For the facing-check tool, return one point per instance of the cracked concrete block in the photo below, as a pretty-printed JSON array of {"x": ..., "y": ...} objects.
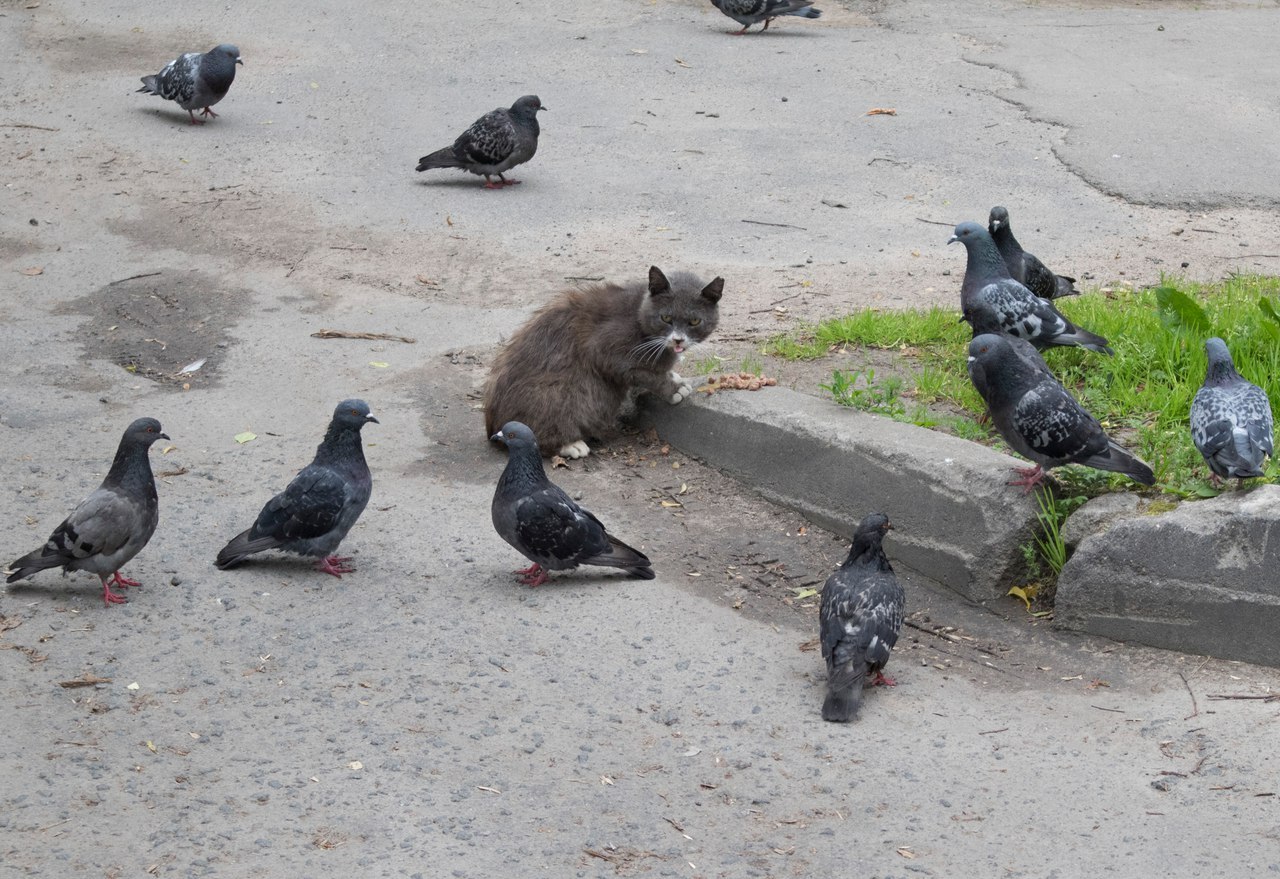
[
  {"x": 1203, "y": 578},
  {"x": 1098, "y": 514},
  {"x": 955, "y": 519}
]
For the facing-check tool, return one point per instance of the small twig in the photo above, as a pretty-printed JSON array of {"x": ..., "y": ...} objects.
[
  {"x": 934, "y": 222},
  {"x": 581, "y": 278},
  {"x": 1195, "y": 708},
  {"x": 37, "y": 128},
  {"x": 68, "y": 821},
  {"x": 943, "y": 635},
  {"x": 1210, "y": 231},
  {"x": 343, "y": 247},
  {"x": 135, "y": 277},
  {"x": 351, "y": 334},
  {"x": 1253, "y": 255},
  {"x": 779, "y": 225},
  {"x": 1113, "y": 710},
  {"x": 991, "y": 732},
  {"x": 1273, "y": 697}
]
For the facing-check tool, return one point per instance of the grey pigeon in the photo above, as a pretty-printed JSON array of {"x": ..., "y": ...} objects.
[
  {"x": 988, "y": 285},
  {"x": 496, "y": 142},
  {"x": 314, "y": 514},
  {"x": 1231, "y": 421},
  {"x": 984, "y": 320},
  {"x": 1038, "y": 417},
  {"x": 534, "y": 515},
  {"x": 749, "y": 12},
  {"x": 1024, "y": 267},
  {"x": 859, "y": 620},
  {"x": 112, "y": 525},
  {"x": 196, "y": 80}
]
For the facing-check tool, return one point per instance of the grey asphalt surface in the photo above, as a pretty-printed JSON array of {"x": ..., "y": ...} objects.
[{"x": 426, "y": 716}]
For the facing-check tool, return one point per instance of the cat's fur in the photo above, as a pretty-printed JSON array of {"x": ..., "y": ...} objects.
[{"x": 569, "y": 370}]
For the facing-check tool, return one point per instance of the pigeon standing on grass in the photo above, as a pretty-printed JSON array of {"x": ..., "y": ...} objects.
[
  {"x": 196, "y": 81},
  {"x": 749, "y": 12},
  {"x": 1023, "y": 266},
  {"x": 988, "y": 285},
  {"x": 496, "y": 142},
  {"x": 1038, "y": 417},
  {"x": 859, "y": 621},
  {"x": 314, "y": 514},
  {"x": 534, "y": 515},
  {"x": 1231, "y": 422},
  {"x": 112, "y": 525}
]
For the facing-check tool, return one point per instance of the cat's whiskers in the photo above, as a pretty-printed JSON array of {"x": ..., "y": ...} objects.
[{"x": 650, "y": 349}]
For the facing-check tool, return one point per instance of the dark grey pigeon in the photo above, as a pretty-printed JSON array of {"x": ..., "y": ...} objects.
[
  {"x": 1038, "y": 417},
  {"x": 1023, "y": 266},
  {"x": 531, "y": 513},
  {"x": 749, "y": 12},
  {"x": 859, "y": 621},
  {"x": 1231, "y": 421},
  {"x": 112, "y": 525},
  {"x": 496, "y": 142},
  {"x": 987, "y": 284},
  {"x": 314, "y": 514},
  {"x": 984, "y": 320},
  {"x": 196, "y": 81}
]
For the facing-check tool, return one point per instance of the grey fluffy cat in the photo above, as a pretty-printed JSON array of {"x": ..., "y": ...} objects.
[{"x": 568, "y": 372}]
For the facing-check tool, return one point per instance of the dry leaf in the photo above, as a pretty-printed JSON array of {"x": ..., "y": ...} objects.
[
  {"x": 682, "y": 64},
  {"x": 355, "y": 765},
  {"x": 151, "y": 747},
  {"x": 906, "y": 852},
  {"x": 882, "y": 111},
  {"x": 672, "y": 504},
  {"x": 85, "y": 680},
  {"x": 33, "y": 271},
  {"x": 245, "y": 437},
  {"x": 380, "y": 364}
]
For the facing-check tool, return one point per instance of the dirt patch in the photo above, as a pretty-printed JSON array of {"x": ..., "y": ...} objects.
[{"x": 157, "y": 325}]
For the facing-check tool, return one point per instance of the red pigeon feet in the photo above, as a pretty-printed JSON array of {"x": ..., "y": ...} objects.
[
  {"x": 883, "y": 680},
  {"x": 335, "y": 566},
  {"x": 108, "y": 597},
  {"x": 534, "y": 575},
  {"x": 123, "y": 581},
  {"x": 208, "y": 111},
  {"x": 1031, "y": 477}
]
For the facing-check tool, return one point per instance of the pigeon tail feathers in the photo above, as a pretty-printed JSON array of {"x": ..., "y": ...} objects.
[
  {"x": 1120, "y": 460},
  {"x": 619, "y": 555},
  {"x": 242, "y": 546},
  {"x": 844, "y": 691},
  {"x": 443, "y": 158}
]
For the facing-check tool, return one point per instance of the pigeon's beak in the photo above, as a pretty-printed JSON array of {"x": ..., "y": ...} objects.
[
  {"x": 369, "y": 418},
  {"x": 164, "y": 436},
  {"x": 995, "y": 224},
  {"x": 953, "y": 239},
  {"x": 962, "y": 318},
  {"x": 238, "y": 61},
  {"x": 972, "y": 358},
  {"x": 498, "y": 438}
]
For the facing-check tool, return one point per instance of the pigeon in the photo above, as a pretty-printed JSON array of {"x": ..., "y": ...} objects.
[
  {"x": 1023, "y": 266},
  {"x": 496, "y": 142},
  {"x": 987, "y": 284},
  {"x": 196, "y": 80},
  {"x": 112, "y": 525},
  {"x": 860, "y": 618},
  {"x": 1038, "y": 417},
  {"x": 314, "y": 514},
  {"x": 1231, "y": 421},
  {"x": 749, "y": 12},
  {"x": 534, "y": 515},
  {"x": 984, "y": 320}
]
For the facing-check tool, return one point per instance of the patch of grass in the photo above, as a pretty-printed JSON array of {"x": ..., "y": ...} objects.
[
  {"x": 1142, "y": 395},
  {"x": 707, "y": 365},
  {"x": 860, "y": 390}
]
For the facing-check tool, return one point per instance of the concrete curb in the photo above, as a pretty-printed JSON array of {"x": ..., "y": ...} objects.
[
  {"x": 1203, "y": 578},
  {"x": 955, "y": 519}
]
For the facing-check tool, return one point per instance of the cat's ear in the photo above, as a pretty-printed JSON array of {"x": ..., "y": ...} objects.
[
  {"x": 713, "y": 290},
  {"x": 657, "y": 282}
]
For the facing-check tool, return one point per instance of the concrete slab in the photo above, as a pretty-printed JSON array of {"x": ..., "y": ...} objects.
[
  {"x": 955, "y": 519},
  {"x": 1204, "y": 578}
]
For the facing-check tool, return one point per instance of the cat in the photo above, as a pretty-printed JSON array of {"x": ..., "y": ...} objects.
[{"x": 570, "y": 369}]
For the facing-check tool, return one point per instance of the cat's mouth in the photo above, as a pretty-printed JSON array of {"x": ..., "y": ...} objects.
[{"x": 678, "y": 347}]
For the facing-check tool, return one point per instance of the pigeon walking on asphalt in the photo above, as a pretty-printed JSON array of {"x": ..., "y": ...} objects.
[
  {"x": 534, "y": 515},
  {"x": 314, "y": 514},
  {"x": 749, "y": 12},
  {"x": 859, "y": 620},
  {"x": 112, "y": 525},
  {"x": 1038, "y": 417},
  {"x": 496, "y": 142},
  {"x": 196, "y": 81},
  {"x": 1024, "y": 267},
  {"x": 1231, "y": 422},
  {"x": 987, "y": 285}
]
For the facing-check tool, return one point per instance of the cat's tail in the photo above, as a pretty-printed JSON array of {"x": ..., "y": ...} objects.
[
  {"x": 619, "y": 555},
  {"x": 444, "y": 158}
]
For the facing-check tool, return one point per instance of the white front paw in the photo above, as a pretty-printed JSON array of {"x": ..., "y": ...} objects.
[
  {"x": 683, "y": 388},
  {"x": 574, "y": 450}
]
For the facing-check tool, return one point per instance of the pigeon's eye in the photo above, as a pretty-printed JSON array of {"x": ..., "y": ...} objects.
[
  {"x": 666, "y": 318},
  {"x": 151, "y": 430},
  {"x": 354, "y": 412},
  {"x": 694, "y": 321}
]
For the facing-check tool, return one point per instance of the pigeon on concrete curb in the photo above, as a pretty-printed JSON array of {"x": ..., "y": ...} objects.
[
  {"x": 496, "y": 142},
  {"x": 1023, "y": 266},
  {"x": 314, "y": 514},
  {"x": 1231, "y": 422},
  {"x": 196, "y": 80},
  {"x": 112, "y": 525},
  {"x": 749, "y": 12},
  {"x": 987, "y": 284},
  {"x": 1038, "y": 417},
  {"x": 536, "y": 517},
  {"x": 859, "y": 620}
]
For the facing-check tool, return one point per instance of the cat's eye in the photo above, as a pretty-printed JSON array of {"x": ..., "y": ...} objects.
[
  {"x": 694, "y": 321},
  {"x": 666, "y": 318}
]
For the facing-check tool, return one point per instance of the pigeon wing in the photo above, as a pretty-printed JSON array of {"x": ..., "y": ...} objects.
[
  {"x": 1055, "y": 426},
  {"x": 310, "y": 507},
  {"x": 861, "y": 620},
  {"x": 551, "y": 526},
  {"x": 489, "y": 140},
  {"x": 177, "y": 81},
  {"x": 100, "y": 525}
]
